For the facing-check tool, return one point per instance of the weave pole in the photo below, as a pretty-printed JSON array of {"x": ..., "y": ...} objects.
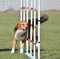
[
  {"x": 38, "y": 29},
  {"x": 20, "y": 10},
  {"x": 27, "y": 22},
  {"x": 29, "y": 54},
  {"x": 31, "y": 7},
  {"x": 25, "y": 9},
  {"x": 34, "y": 29},
  {"x": 21, "y": 16}
]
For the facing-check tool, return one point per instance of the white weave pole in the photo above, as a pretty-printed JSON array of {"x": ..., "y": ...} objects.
[
  {"x": 21, "y": 16},
  {"x": 31, "y": 27},
  {"x": 23, "y": 10},
  {"x": 34, "y": 28},
  {"x": 27, "y": 22},
  {"x": 39, "y": 29}
]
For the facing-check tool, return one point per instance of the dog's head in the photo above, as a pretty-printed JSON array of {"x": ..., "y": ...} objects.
[{"x": 21, "y": 25}]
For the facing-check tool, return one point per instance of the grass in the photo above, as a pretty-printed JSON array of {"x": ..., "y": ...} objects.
[
  {"x": 7, "y": 22},
  {"x": 50, "y": 36}
]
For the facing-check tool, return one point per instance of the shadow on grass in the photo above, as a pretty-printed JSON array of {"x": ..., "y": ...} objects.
[
  {"x": 6, "y": 49},
  {"x": 41, "y": 49}
]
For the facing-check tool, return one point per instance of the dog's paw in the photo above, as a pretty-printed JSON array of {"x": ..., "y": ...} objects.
[
  {"x": 12, "y": 51},
  {"x": 21, "y": 50}
]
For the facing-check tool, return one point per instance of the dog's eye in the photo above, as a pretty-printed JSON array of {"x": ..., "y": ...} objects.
[
  {"x": 22, "y": 24},
  {"x": 19, "y": 25}
]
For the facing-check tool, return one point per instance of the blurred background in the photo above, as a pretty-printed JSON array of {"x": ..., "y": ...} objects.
[{"x": 15, "y": 5}]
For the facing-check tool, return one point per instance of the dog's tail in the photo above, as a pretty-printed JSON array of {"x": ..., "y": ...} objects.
[{"x": 43, "y": 18}]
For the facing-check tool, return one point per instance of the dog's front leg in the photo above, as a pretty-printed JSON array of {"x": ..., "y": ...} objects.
[
  {"x": 22, "y": 46},
  {"x": 13, "y": 45}
]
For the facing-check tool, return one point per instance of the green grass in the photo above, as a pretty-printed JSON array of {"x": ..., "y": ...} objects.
[
  {"x": 50, "y": 36},
  {"x": 8, "y": 21}
]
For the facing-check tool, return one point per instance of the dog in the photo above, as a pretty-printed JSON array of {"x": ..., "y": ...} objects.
[
  {"x": 19, "y": 34},
  {"x": 20, "y": 31}
]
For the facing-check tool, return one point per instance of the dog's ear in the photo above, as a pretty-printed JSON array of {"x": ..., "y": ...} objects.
[
  {"x": 18, "y": 24},
  {"x": 16, "y": 27}
]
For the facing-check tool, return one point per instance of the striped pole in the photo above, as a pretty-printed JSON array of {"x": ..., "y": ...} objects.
[
  {"x": 27, "y": 22},
  {"x": 21, "y": 16},
  {"x": 24, "y": 10},
  {"x": 21, "y": 10},
  {"x": 34, "y": 28},
  {"x": 39, "y": 29},
  {"x": 31, "y": 26}
]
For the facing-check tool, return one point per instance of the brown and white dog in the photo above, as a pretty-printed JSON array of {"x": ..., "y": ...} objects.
[
  {"x": 20, "y": 31},
  {"x": 19, "y": 34}
]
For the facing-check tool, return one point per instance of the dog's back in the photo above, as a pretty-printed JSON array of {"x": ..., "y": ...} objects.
[{"x": 42, "y": 20}]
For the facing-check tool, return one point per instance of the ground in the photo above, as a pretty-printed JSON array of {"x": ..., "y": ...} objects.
[
  {"x": 7, "y": 23},
  {"x": 50, "y": 36}
]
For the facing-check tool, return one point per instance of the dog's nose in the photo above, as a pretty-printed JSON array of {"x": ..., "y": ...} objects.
[{"x": 26, "y": 27}]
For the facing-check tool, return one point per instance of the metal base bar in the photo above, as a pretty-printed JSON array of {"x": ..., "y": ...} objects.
[{"x": 29, "y": 55}]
